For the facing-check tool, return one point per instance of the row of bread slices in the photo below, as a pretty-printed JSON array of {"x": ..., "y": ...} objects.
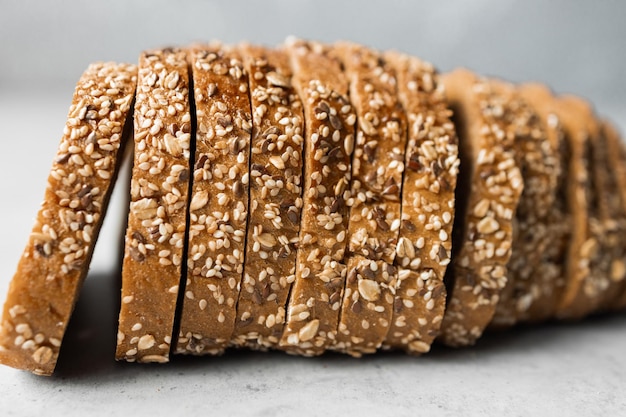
[{"x": 322, "y": 197}]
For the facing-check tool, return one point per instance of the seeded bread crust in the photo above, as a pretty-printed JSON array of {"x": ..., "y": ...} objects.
[
  {"x": 218, "y": 210},
  {"x": 600, "y": 221},
  {"x": 610, "y": 213},
  {"x": 541, "y": 297},
  {"x": 377, "y": 167},
  {"x": 155, "y": 235},
  {"x": 425, "y": 244},
  {"x": 275, "y": 199},
  {"x": 616, "y": 151},
  {"x": 583, "y": 279},
  {"x": 56, "y": 259},
  {"x": 538, "y": 160},
  {"x": 378, "y": 160},
  {"x": 479, "y": 269},
  {"x": 313, "y": 307}
]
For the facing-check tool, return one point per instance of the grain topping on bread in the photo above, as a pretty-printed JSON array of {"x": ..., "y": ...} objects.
[
  {"x": 488, "y": 196},
  {"x": 536, "y": 298},
  {"x": 218, "y": 211},
  {"x": 580, "y": 285},
  {"x": 377, "y": 167},
  {"x": 275, "y": 199},
  {"x": 428, "y": 206},
  {"x": 155, "y": 236},
  {"x": 56, "y": 259},
  {"x": 315, "y": 300},
  {"x": 538, "y": 161}
]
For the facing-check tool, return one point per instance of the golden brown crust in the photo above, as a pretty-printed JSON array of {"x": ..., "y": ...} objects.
[
  {"x": 313, "y": 307},
  {"x": 155, "y": 236},
  {"x": 424, "y": 245},
  {"x": 485, "y": 222},
  {"x": 538, "y": 161},
  {"x": 56, "y": 259},
  {"x": 218, "y": 210},
  {"x": 275, "y": 199},
  {"x": 377, "y": 167}
]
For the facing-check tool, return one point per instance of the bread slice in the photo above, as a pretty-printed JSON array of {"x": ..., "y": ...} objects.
[
  {"x": 583, "y": 282},
  {"x": 155, "y": 236},
  {"x": 275, "y": 199},
  {"x": 428, "y": 206},
  {"x": 377, "y": 167},
  {"x": 378, "y": 160},
  {"x": 537, "y": 301},
  {"x": 611, "y": 218},
  {"x": 218, "y": 211},
  {"x": 488, "y": 194},
  {"x": 616, "y": 150},
  {"x": 56, "y": 259},
  {"x": 315, "y": 299},
  {"x": 538, "y": 160}
]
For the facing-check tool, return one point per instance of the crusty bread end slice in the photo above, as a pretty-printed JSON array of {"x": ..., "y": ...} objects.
[{"x": 50, "y": 273}]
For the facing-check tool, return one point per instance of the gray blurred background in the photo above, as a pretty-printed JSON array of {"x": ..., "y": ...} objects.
[{"x": 575, "y": 46}]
